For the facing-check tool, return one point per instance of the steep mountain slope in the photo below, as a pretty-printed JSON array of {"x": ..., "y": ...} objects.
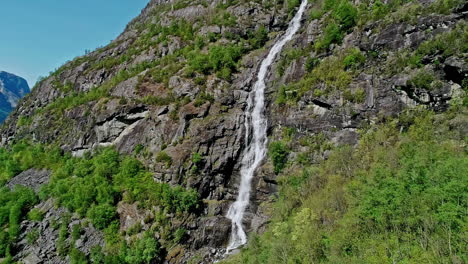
[
  {"x": 12, "y": 89},
  {"x": 171, "y": 92}
]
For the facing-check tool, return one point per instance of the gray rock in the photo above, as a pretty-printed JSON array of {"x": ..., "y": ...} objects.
[{"x": 31, "y": 178}]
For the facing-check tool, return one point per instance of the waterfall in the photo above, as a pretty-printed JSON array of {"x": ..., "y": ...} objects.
[{"x": 255, "y": 122}]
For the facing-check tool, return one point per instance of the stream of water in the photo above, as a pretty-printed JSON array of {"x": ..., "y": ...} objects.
[{"x": 256, "y": 135}]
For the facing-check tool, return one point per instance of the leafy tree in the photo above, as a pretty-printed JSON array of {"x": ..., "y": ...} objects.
[
  {"x": 102, "y": 215},
  {"x": 278, "y": 153},
  {"x": 145, "y": 250}
]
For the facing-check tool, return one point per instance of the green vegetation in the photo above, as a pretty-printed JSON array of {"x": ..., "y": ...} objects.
[
  {"x": 14, "y": 205},
  {"x": 22, "y": 156},
  {"x": 35, "y": 215},
  {"x": 197, "y": 161},
  {"x": 221, "y": 60},
  {"x": 145, "y": 250},
  {"x": 91, "y": 187},
  {"x": 278, "y": 153},
  {"x": 32, "y": 236},
  {"x": 433, "y": 50},
  {"x": 422, "y": 79},
  {"x": 343, "y": 18},
  {"x": 164, "y": 157},
  {"x": 399, "y": 197},
  {"x": 354, "y": 59},
  {"x": 23, "y": 121},
  {"x": 335, "y": 72}
]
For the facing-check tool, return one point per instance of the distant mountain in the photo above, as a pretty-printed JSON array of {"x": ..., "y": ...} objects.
[{"x": 12, "y": 89}]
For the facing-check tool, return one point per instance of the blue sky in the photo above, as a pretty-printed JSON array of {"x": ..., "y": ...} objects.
[{"x": 38, "y": 36}]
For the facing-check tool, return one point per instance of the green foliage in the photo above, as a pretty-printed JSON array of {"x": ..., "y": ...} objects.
[
  {"x": 145, "y": 250},
  {"x": 258, "y": 38},
  {"x": 179, "y": 235},
  {"x": 355, "y": 96},
  {"x": 35, "y": 215},
  {"x": 221, "y": 60},
  {"x": 423, "y": 80},
  {"x": 14, "y": 204},
  {"x": 90, "y": 186},
  {"x": 76, "y": 232},
  {"x": 311, "y": 63},
  {"x": 316, "y": 13},
  {"x": 278, "y": 152},
  {"x": 23, "y": 121},
  {"x": 224, "y": 19},
  {"x": 291, "y": 5},
  {"x": 226, "y": 4},
  {"x": 197, "y": 161},
  {"x": 156, "y": 100},
  {"x": 96, "y": 255},
  {"x": 332, "y": 34},
  {"x": 164, "y": 157},
  {"x": 138, "y": 149},
  {"x": 77, "y": 257},
  {"x": 433, "y": 50},
  {"x": 334, "y": 73},
  {"x": 343, "y": 18},
  {"x": 354, "y": 59},
  {"x": 202, "y": 98},
  {"x": 62, "y": 245},
  {"x": 33, "y": 235},
  {"x": 102, "y": 215},
  {"x": 23, "y": 156},
  {"x": 345, "y": 15},
  {"x": 399, "y": 196}
]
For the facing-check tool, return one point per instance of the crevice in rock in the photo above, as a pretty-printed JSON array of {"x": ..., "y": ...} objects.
[{"x": 322, "y": 104}]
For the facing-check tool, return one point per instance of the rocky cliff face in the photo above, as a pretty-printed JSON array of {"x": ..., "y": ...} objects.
[
  {"x": 12, "y": 89},
  {"x": 154, "y": 89}
]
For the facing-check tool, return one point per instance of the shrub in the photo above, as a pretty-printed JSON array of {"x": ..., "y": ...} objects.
[
  {"x": 332, "y": 34},
  {"x": 145, "y": 250},
  {"x": 32, "y": 236},
  {"x": 292, "y": 4},
  {"x": 311, "y": 63},
  {"x": 258, "y": 38},
  {"x": 345, "y": 15},
  {"x": 422, "y": 79},
  {"x": 164, "y": 157},
  {"x": 62, "y": 245},
  {"x": 278, "y": 153},
  {"x": 354, "y": 59},
  {"x": 197, "y": 161},
  {"x": 77, "y": 257},
  {"x": 76, "y": 232},
  {"x": 138, "y": 149},
  {"x": 179, "y": 235},
  {"x": 4, "y": 243},
  {"x": 220, "y": 59},
  {"x": 357, "y": 96},
  {"x": 102, "y": 215},
  {"x": 35, "y": 215},
  {"x": 24, "y": 121}
]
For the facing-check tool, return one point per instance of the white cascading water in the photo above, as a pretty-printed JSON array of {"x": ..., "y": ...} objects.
[{"x": 256, "y": 149}]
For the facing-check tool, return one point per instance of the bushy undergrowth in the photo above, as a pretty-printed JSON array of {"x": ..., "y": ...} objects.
[
  {"x": 398, "y": 197},
  {"x": 14, "y": 205},
  {"x": 91, "y": 187},
  {"x": 334, "y": 72}
]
